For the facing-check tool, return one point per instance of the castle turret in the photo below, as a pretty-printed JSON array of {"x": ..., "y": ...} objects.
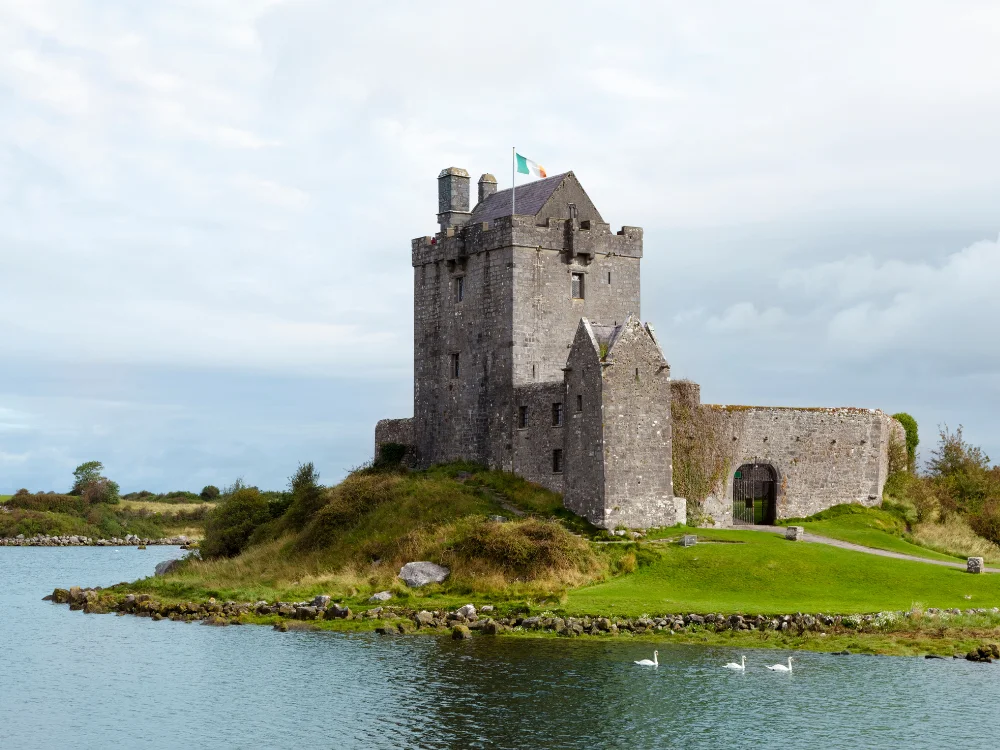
[
  {"x": 487, "y": 186},
  {"x": 453, "y": 197}
]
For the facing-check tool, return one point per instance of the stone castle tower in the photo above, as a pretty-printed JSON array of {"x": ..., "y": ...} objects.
[
  {"x": 529, "y": 356},
  {"x": 499, "y": 300}
]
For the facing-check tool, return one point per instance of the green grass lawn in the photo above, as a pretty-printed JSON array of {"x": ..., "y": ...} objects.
[{"x": 768, "y": 574}]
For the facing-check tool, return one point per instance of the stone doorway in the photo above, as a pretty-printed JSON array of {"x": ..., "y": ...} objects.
[{"x": 755, "y": 494}]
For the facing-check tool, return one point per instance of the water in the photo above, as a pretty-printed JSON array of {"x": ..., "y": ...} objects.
[{"x": 92, "y": 681}]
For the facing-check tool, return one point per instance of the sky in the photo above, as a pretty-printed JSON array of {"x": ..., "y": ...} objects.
[{"x": 206, "y": 209}]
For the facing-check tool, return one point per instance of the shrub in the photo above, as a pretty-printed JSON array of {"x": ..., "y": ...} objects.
[
  {"x": 345, "y": 504},
  {"x": 531, "y": 548},
  {"x": 912, "y": 437},
  {"x": 230, "y": 525},
  {"x": 21, "y": 492},
  {"x": 307, "y": 496},
  {"x": 101, "y": 490},
  {"x": 209, "y": 492}
]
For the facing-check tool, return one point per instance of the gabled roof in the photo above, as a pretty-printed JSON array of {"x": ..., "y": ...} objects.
[{"x": 531, "y": 197}]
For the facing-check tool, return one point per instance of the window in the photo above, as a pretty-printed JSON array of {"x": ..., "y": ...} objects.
[
  {"x": 579, "y": 402},
  {"x": 609, "y": 277},
  {"x": 577, "y": 286},
  {"x": 459, "y": 288},
  {"x": 455, "y": 365},
  {"x": 557, "y": 461},
  {"x": 557, "y": 414},
  {"x": 522, "y": 417}
]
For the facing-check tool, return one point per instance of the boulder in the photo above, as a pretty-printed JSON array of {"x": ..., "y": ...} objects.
[
  {"x": 336, "y": 612},
  {"x": 167, "y": 566},
  {"x": 321, "y": 600},
  {"x": 794, "y": 533},
  {"x": 460, "y": 632},
  {"x": 424, "y": 619},
  {"x": 416, "y": 574},
  {"x": 381, "y": 596},
  {"x": 467, "y": 611},
  {"x": 975, "y": 565}
]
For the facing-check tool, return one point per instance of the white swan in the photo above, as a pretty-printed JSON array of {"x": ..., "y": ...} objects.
[
  {"x": 782, "y": 667},
  {"x": 734, "y": 665},
  {"x": 648, "y": 663}
]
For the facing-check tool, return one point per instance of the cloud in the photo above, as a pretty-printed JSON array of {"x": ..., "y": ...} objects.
[{"x": 232, "y": 186}]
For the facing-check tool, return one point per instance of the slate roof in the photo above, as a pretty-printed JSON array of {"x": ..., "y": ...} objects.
[{"x": 530, "y": 199}]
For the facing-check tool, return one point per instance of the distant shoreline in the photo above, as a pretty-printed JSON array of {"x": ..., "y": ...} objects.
[{"x": 84, "y": 541}]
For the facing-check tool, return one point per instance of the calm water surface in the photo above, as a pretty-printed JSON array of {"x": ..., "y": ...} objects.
[{"x": 74, "y": 680}]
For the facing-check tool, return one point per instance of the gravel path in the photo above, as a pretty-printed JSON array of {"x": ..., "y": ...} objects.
[{"x": 807, "y": 537}]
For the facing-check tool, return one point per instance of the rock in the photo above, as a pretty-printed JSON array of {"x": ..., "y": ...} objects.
[
  {"x": 321, "y": 600},
  {"x": 487, "y": 608},
  {"x": 460, "y": 633},
  {"x": 467, "y": 610},
  {"x": 306, "y": 613},
  {"x": 498, "y": 519},
  {"x": 492, "y": 627},
  {"x": 281, "y": 627},
  {"x": 975, "y": 565},
  {"x": 416, "y": 574},
  {"x": 167, "y": 566},
  {"x": 424, "y": 619},
  {"x": 689, "y": 540},
  {"x": 336, "y": 612},
  {"x": 794, "y": 533},
  {"x": 381, "y": 596}
]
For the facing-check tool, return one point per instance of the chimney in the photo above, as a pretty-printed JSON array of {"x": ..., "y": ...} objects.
[
  {"x": 487, "y": 186},
  {"x": 453, "y": 197}
]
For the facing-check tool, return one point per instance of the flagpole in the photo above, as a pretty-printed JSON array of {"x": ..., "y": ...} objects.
[{"x": 513, "y": 197}]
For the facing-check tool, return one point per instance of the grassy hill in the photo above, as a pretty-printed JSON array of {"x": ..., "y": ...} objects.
[{"x": 351, "y": 540}]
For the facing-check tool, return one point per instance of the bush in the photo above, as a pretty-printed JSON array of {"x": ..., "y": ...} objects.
[
  {"x": 209, "y": 492},
  {"x": 912, "y": 437},
  {"x": 21, "y": 492},
  {"x": 101, "y": 490},
  {"x": 531, "y": 548},
  {"x": 307, "y": 496},
  {"x": 229, "y": 526}
]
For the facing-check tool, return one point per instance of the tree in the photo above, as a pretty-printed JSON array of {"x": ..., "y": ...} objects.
[
  {"x": 84, "y": 474},
  {"x": 230, "y": 525},
  {"x": 307, "y": 495},
  {"x": 912, "y": 437},
  {"x": 209, "y": 492}
]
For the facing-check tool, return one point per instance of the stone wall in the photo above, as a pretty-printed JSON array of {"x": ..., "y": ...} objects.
[
  {"x": 821, "y": 456},
  {"x": 534, "y": 444},
  {"x": 638, "y": 490},
  {"x": 396, "y": 431},
  {"x": 584, "y": 485}
]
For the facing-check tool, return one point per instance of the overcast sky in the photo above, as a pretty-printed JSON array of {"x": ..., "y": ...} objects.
[{"x": 206, "y": 209}]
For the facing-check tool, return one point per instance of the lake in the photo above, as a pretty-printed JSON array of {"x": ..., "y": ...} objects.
[{"x": 73, "y": 680}]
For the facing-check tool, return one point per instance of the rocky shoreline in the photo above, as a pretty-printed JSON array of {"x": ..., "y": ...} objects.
[
  {"x": 40, "y": 540},
  {"x": 467, "y": 620}
]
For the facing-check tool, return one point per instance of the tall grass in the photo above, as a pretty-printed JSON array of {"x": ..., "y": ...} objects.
[{"x": 954, "y": 536}]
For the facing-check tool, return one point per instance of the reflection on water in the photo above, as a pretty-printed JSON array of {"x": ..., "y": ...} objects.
[{"x": 75, "y": 680}]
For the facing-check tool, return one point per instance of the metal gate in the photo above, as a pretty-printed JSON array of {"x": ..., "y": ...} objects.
[{"x": 755, "y": 494}]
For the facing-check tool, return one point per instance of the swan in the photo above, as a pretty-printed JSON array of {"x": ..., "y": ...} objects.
[
  {"x": 734, "y": 665},
  {"x": 647, "y": 663},
  {"x": 782, "y": 667}
]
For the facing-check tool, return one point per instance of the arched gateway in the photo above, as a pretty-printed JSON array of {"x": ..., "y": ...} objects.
[{"x": 755, "y": 491}]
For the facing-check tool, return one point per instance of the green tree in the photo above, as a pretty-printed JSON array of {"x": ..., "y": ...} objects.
[
  {"x": 84, "y": 474},
  {"x": 209, "y": 492},
  {"x": 912, "y": 437},
  {"x": 229, "y": 526},
  {"x": 92, "y": 485},
  {"x": 307, "y": 495}
]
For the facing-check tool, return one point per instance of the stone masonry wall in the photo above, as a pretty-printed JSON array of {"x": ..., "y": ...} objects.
[
  {"x": 583, "y": 490},
  {"x": 638, "y": 490},
  {"x": 822, "y": 457},
  {"x": 396, "y": 431},
  {"x": 534, "y": 444}
]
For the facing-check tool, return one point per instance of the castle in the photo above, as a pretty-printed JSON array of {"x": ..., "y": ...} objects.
[{"x": 530, "y": 357}]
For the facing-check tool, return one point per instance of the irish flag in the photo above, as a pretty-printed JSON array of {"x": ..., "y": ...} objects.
[{"x": 527, "y": 166}]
